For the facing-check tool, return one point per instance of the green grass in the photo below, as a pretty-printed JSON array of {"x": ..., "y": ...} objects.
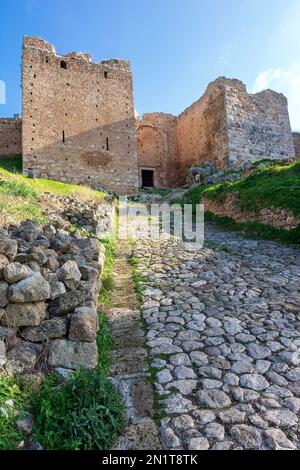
[
  {"x": 20, "y": 196},
  {"x": 268, "y": 186},
  {"x": 84, "y": 413},
  {"x": 138, "y": 279},
  {"x": 107, "y": 275},
  {"x": 10, "y": 435},
  {"x": 104, "y": 344}
]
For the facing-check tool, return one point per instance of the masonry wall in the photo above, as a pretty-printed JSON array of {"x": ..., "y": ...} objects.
[
  {"x": 296, "y": 138},
  {"x": 258, "y": 125},
  {"x": 226, "y": 126},
  {"x": 78, "y": 118},
  {"x": 201, "y": 130},
  {"x": 157, "y": 148},
  {"x": 10, "y": 137}
]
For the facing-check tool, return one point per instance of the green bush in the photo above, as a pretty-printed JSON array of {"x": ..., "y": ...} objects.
[{"x": 83, "y": 413}]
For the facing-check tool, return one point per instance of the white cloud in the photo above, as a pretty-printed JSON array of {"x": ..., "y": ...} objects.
[{"x": 286, "y": 82}]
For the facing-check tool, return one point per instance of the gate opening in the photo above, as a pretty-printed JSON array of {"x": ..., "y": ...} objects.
[{"x": 147, "y": 178}]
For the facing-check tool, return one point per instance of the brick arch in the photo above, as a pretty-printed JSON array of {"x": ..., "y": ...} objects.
[{"x": 150, "y": 146}]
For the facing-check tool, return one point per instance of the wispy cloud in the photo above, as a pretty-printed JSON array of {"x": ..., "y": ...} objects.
[{"x": 284, "y": 81}]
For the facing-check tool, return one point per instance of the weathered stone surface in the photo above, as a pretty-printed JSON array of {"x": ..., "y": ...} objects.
[
  {"x": 277, "y": 440},
  {"x": 32, "y": 289},
  {"x": 3, "y": 294},
  {"x": 24, "y": 355},
  {"x": 232, "y": 416},
  {"x": 26, "y": 423},
  {"x": 198, "y": 443},
  {"x": 72, "y": 354},
  {"x": 24, "y": 314},
  {"x": 84, "y": 324},
  {"x": 15, "y": 272},
  {"x": 57, "y": 289},
  {"x": 69, "y": 274},
  {"x": 169, "y": 439},
  {"x": 8, "y": 248},
  {"x": 248, "y": 436},
  {"x": 254, "y": 381},
  {"x": 67, "y": 302},
  {"x": 282, "y": 417},
  {"x": 215, "y": 399},
  {"x": 48, "y": 329}
]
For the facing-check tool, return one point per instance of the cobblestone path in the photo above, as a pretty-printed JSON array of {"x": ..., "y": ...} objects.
[{"x": 223, "y": 332}]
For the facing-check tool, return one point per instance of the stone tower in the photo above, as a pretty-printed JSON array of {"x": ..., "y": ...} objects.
[{"x": 78, "y": 118}]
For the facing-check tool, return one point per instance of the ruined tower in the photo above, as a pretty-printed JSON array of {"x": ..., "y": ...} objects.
[{"x": 78, "y": 118}]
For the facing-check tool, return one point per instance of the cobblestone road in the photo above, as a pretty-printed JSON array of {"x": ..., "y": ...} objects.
[{"x": 224, "y": 333}]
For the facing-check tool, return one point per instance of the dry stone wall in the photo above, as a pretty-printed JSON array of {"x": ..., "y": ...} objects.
[
  {"x": 78, "y": 118},
  {"x": 229, "y": 207},
  {"x": 10, "y": 136},
  {"x": 49, "y": 285}
]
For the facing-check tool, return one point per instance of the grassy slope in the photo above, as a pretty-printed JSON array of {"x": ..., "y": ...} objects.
[
  {"x": 271, "y": 185},
  {"x": 268, "y": 186},
  {"x": 19, "y": 195}
]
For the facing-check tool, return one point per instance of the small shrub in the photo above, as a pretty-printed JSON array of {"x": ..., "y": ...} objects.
[
  {"x": 10, "y": 393},
  {"x": 84, "y": 413}
]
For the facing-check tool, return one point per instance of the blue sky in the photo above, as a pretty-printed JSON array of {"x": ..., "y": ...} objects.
[{"x": 176, "y": 47}]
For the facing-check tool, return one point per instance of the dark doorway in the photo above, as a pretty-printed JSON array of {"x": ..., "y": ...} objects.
[{"x": 147, "y": 178}]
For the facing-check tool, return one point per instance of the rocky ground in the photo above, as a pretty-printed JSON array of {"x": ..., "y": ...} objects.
[{"x": 223, "y": 335}]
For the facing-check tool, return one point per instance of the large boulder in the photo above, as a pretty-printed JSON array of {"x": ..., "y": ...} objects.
[
  {"x": 69, "y": 274},
  {"x": 8, "y": 248},
  {"x": 84, "y": 325},
  {"x": 72, "y": 354},
  {"x": 48, "y": 329},
  {"x": 15, "y": 272},
  {"x": 27, "y": 314},
  {"x": 32, "y": 289}
]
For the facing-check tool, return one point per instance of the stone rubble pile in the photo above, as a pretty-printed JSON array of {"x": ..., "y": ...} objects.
[
  {"x": 96, "y": 218},
  {"x": 49, "y": 285}
]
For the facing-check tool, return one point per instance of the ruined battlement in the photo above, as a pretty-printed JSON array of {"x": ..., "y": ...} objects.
[
  {"x": 78, "y": 118},
  {"x": 226, "y": 125}
]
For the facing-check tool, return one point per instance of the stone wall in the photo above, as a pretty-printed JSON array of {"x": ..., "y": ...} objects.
[
  {"x": 226, "y": 126},
  {"x": 296, "y": 137},
  {"x": 157, "y": 148},
  {"x": 78, "y": 118},
  {"x": 10, "y": 136},
  {"x": 258, "y": 125},
  {"x": 49, "y": 285},
  {"x": 201, "y": 130},
  {"x": 229, "y": 207}
]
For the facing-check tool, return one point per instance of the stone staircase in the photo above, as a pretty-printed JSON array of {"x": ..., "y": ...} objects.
[{"x": 129, "y": 359}]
